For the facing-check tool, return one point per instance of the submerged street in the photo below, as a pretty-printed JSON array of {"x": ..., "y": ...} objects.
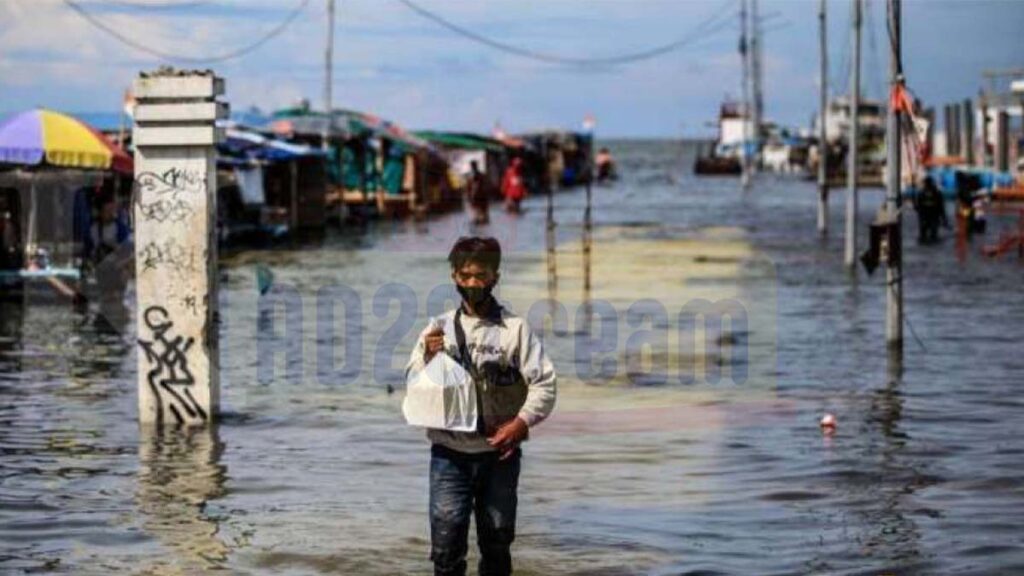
[{"x": 647, "y": 466}]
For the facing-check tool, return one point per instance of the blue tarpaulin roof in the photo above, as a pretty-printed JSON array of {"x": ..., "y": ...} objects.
[{"x": 248, "y": 145}]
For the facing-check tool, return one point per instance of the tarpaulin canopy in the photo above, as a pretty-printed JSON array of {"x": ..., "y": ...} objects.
[
  {"x": 253, "y": 145},
  {"x": 465, "y": 141},
  {"x": 43, "y": 136},
  {"x": 346, "y": 123},
  {"x": 302, "y": 122}
]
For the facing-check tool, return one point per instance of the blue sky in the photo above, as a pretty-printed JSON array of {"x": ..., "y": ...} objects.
[{"x": 392, "y": 62}]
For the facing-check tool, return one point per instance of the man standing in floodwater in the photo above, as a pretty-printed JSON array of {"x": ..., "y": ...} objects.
[
  {"x": 478, "y": 194},
  {"x": 478, "y": 472}
]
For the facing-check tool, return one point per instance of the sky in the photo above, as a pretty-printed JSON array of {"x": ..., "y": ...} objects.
[{"x": 393, "y": 62}]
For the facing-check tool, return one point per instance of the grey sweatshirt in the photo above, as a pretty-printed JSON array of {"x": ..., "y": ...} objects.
[{"x": 495, "y": 344}]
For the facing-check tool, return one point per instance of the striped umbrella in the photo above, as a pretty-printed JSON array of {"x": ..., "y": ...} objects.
[{"x": 43, "y": 136}]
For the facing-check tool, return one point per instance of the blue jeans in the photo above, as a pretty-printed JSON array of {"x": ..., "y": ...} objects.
[{"x": 461, "y": 484}]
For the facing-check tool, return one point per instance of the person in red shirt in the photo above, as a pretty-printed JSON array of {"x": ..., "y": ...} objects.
[{"x": 512, "y": 186}]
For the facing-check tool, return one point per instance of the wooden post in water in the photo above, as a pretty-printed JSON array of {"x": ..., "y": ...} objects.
[
  {"x": 549, "y": 238},
  {"x": 853, "y": 154},
  {"x": 587, "y": 238},
  {"x": 175, "y": 245},
  {"x": 822, "y": 129},
  {"x": 894, "y": 267}
]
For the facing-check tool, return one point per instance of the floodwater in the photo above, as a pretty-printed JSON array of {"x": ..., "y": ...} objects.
[{"x": 669, "y": 453}]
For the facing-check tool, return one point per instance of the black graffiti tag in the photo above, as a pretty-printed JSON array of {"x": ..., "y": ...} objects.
[
  {"x": 166, "y": 210},
  {"x": 173, "y": 181},
  {"x": 169, "y": 254},
  {"x": 161, "y": 192},
  {"x": 168, "y": 356}
]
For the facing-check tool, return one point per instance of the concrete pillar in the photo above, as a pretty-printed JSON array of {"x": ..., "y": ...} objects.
[
  {"x": 983, "y": 105},
  {"x": 957, "y": 141},
  {"x": 930, "y": 134},
  {"x": 1002, "y": 141},
  {"x": 968, "y": 136},
  {"x": 948, "y": 125},
  {"x": 176, "y": 246}
]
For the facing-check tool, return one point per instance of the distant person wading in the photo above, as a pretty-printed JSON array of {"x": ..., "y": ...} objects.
[
  {"x": 512, "y": 186},
  {"x": 478, "y": 194}
]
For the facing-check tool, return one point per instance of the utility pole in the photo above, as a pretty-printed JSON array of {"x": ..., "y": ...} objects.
[
  {"x": 853, "y": 168},
  {"x": 894, "y": 268},
  {"x": 328, "y": 77},
  {"x": 755, "y": 74},
  {"x": 822, "y": 131},
  {"x": 746, "y": 115}
]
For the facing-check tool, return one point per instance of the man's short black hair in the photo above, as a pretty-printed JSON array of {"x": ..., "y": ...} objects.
[{"x": 485, "y": 251}]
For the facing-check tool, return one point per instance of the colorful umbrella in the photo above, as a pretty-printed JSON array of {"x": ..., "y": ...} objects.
[{"x": 40, "y": 135}]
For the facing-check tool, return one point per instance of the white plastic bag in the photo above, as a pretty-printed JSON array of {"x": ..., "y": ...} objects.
[{"x": 441, "y": 396}]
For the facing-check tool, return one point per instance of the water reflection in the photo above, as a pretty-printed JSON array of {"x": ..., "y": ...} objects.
[
  {"x": 889, "y": 531},
  {"x": 180, "y": 472},
  {"x": 12, "y": 316}
]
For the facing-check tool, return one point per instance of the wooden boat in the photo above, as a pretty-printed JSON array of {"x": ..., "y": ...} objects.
[{"x": 717, "y": 166}]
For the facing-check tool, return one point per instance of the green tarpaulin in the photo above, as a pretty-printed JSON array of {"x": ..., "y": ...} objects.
[{"x": 462, "y": 140}]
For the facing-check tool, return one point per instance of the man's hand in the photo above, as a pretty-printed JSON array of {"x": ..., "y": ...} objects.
[
  {"x": 508, "y": 436},
  {"x": 433, "y": 343}
]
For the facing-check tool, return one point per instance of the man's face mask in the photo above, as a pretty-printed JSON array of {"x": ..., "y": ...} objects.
[
  {"x": 475, "y": 294},
  {"x": 475, "y": 283}
]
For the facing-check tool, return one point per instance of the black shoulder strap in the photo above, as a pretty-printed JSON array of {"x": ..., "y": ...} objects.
[
  {"x": 467, "y": 362},
  {"x": 460, "y": 339}
]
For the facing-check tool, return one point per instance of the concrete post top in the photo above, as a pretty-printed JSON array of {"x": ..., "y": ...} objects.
[
  {"x": 168, "y": 83},
  {"x": 178, "y": 108}
]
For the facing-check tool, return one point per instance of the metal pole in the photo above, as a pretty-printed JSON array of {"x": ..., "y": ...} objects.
[
  {"x": 746, "y": 116},
  {"x": 328, "y": 76},
  {"x": 853, "y": 155},
  {"x": 755, "y": 76},
  {"x": 822, "y": 131},
  {"x": 549, "y": 235},
  {"x": 894, "y": 269},
  {"x": 587, "y": 243}
]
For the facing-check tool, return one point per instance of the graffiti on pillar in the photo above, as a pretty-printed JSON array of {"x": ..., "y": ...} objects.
[
  {"x": 174, "y": 181},
  {"x": 169, "y": 377},
  {"x": 162, "y": 193},
  {"x": 168, "y": 254},
  {"x": 165, "y": 210}
]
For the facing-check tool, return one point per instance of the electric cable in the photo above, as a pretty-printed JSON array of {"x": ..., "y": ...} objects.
[
  {"x": 170, "y": 5},
  {"x": 230, "y": 55},
  {"x": 569, "y": 60}
]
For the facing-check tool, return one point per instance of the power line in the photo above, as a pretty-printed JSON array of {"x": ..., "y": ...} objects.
[
  {"x": 569, "y": 60},
  {"x": 171, "y": 5},
  {"x": 270, "y": 35}
]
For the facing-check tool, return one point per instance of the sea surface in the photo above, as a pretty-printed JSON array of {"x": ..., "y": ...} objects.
[{"x": 674, "y": 448}]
